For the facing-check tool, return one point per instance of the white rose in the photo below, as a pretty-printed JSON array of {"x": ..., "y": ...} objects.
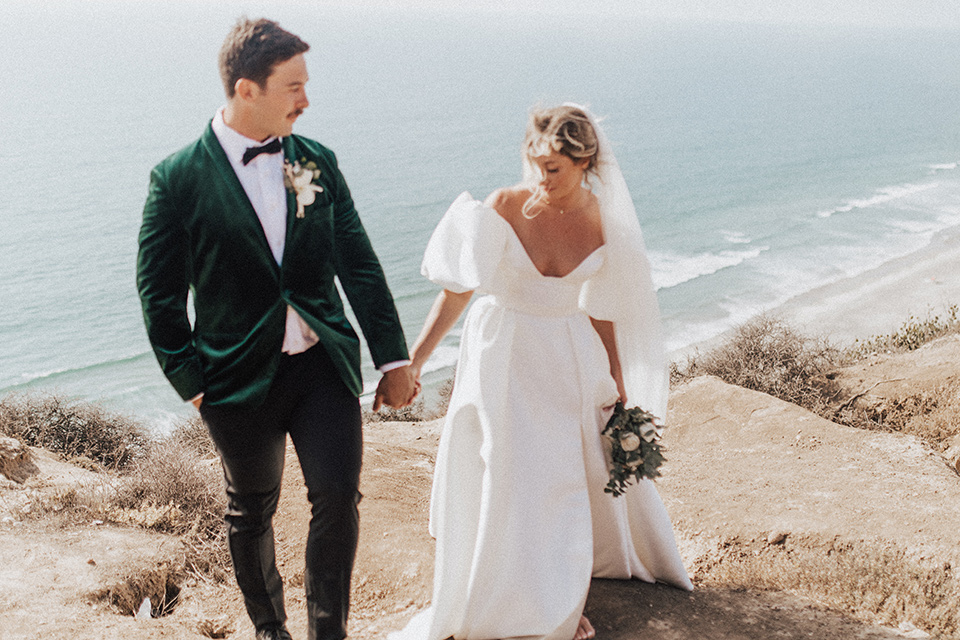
[
  {"x": 302, "y": 180},
  {"x": 629, "y": 441},
  {"x": 633, "y": 464},
  {"x": 649, "y": 432}
]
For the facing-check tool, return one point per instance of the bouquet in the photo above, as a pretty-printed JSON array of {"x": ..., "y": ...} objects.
[{"x": 636, "y": 451}]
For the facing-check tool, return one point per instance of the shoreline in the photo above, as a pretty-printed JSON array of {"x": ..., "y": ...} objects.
[
  {"x": 880, "y": 300},
  {"x": 875, "y": 302}
]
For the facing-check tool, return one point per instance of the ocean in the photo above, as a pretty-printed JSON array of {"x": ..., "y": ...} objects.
[{"x": 764, "y": 160}]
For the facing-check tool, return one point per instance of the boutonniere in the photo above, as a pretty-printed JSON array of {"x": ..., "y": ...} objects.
[{"x": 299, "y": 180}]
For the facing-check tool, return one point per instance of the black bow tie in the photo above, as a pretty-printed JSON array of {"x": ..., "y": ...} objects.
[{"x": 252, "y": 152}]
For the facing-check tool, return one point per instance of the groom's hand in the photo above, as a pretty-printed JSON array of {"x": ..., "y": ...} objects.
[{"x": 398, "y": 388}]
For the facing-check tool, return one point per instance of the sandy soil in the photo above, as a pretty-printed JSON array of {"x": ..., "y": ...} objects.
[{"x": 760, "y": 480}]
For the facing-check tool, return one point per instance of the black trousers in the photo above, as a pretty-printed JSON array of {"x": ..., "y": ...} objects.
[{"x": 309, "y": 401}]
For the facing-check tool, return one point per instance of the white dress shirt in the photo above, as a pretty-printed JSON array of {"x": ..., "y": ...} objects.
[{"x": 262, "y": 180}]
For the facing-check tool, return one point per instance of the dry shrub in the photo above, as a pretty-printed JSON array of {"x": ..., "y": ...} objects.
[
  {"x": 73, "y": 429},
  {"x": 193, "y": 433},
  {"x": 912, "y": 334},
  {"x": 769, "y": 356},
  {"x": 174, "y": 474},
  {"x": 874, "y": 582},
  {"x": 932, "y": 415},
  {"x": 416, "y": 412},
  {"x": 941, "y": 422},
  {"x": 63, "y": 506},
  {"x": 175, "y": 489}
]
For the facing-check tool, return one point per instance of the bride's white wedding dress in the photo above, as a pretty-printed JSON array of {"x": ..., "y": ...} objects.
[{"x": 518, "y": 508}]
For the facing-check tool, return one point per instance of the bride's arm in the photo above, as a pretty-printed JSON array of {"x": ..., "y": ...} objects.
[
  {"x": 443, "y": 315},
  {"x": 609, "y": 338}
]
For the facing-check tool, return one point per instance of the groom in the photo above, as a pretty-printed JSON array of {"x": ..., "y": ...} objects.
[{"x": 257, "y": 223}]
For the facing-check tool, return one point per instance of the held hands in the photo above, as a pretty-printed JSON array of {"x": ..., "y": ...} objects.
[{"x": 398, "y": 388}]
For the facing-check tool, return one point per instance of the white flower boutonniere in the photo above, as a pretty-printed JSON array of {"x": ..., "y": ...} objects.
[{"x": 299, "y": 180}]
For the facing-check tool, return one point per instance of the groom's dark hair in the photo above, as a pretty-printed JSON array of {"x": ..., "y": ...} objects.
[{"x": 252, "y": 49}]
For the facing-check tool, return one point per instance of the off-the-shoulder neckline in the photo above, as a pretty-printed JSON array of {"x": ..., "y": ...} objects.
[{"x": 513, "y": 234}]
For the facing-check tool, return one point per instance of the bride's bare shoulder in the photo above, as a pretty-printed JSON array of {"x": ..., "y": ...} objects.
[{"x": 508, "y": 201}]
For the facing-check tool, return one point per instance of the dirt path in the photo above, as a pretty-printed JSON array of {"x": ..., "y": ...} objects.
[{"x": 46, "y": 574}]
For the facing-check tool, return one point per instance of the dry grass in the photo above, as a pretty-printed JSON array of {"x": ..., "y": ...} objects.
[
  {"x": 872, "y": 581},
  {"x": 417, "y": 412},
  {"x": 932, "y": 415},
  {"x": 177, "y": 489},
  {"x": 912, "y": 334},
  {"x": 173, "y": 485},
  {"x": 76, "y": 430},
  {"x": 768, "y": 355}
]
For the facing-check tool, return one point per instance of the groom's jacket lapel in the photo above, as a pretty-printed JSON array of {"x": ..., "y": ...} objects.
[{"x": 235, "y": 204}]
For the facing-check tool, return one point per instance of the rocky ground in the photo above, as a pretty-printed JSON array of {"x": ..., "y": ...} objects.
[{"x": 791, "y": 526}]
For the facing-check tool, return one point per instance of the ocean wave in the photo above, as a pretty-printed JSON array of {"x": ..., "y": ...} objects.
[
  {"x": 670, "y": 270},
  {"x": 949, "y": 166},
  {"x": 690, "y": 334},
  {"x": 917, "y": 227},
  {"x": 776, "y": 281},
  {"x": 884, "y": 195},
  {"x": 82, "y": 369},
  {"x": 735, "y": 237}
]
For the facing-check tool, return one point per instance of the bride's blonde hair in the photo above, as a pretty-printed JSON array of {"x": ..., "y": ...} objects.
[{"x": 566, "y": 130}]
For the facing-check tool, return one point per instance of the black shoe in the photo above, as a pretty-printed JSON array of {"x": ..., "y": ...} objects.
[{"x": 274, "y": 633}]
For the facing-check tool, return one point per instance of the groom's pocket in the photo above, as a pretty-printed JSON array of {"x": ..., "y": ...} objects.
[
  {"x": 315, "y": 229},
  {"x": 231, "y": 361},
  {"x": 319, "y": 213}
]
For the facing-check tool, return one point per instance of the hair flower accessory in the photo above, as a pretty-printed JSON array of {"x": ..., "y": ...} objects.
[
  {"x": 635, "y": 451},
  {"x": 299, "y": 180}
]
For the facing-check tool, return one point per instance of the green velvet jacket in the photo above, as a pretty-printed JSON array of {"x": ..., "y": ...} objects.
[{"x": 201, "y": 234}]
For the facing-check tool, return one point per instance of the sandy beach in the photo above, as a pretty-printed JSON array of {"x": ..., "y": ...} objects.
[
  {"x": 880, "y": 300},
  {"x": 874, "y": 302}
]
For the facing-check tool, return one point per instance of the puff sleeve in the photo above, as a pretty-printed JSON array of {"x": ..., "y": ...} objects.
[{"x": 466, "y": 248}]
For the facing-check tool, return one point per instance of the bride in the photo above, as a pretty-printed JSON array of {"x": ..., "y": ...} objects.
[{"x": 568, "y": 323}]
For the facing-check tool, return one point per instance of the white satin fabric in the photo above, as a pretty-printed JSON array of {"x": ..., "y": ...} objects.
[
  {"x": 518, "y": 508},
  {"x": 623, "y": 293}
]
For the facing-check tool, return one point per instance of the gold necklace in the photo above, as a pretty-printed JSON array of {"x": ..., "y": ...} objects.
[{"x": 575, "y": 209}]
